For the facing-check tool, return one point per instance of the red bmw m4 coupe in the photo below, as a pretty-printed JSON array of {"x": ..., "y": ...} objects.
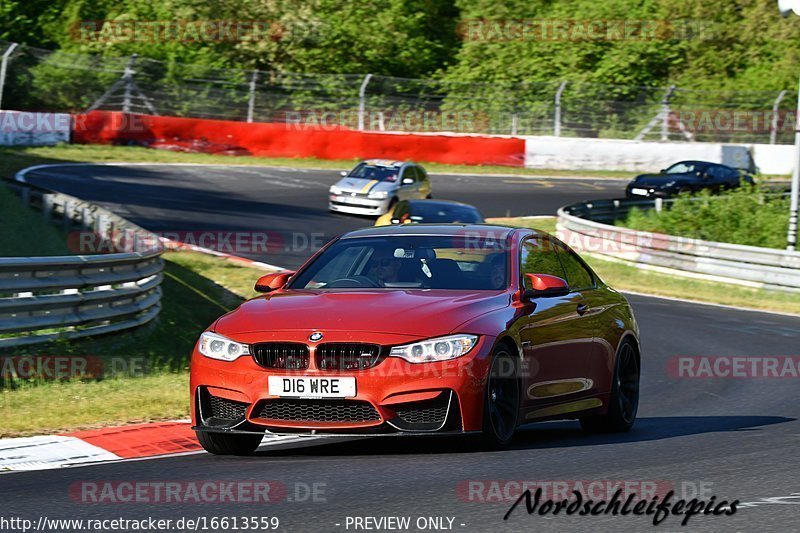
[{"x": 420, "y": 329}]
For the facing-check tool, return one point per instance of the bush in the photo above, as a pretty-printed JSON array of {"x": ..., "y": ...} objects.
[{"x": 749, "y": 215}]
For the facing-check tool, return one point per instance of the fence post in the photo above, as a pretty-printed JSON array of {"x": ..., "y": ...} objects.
[
  {"x": 557, "y": 117},
  {"x": 362, "y": 101},
  {"x": 514, "y": 123},
  {"x": 773, "y": 128},
  {"x": 4, "y": 69},
  {"x": 251, "y": 104},
  {"x": 665, "y": 113},
  {"x": 127, "y": 77}
]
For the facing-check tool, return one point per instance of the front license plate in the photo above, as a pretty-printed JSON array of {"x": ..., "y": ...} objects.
[
  {"x": 640, "y": 192},
  {"x": 312, "y": 387}
]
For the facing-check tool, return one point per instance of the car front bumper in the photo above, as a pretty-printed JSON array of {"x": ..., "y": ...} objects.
[
  {"x": 358, "y": 205},
  {"x": 392, "y": 397}
]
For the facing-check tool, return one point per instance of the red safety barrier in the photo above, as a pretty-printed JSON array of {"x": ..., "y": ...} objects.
[{"x": 291, "y": 140}]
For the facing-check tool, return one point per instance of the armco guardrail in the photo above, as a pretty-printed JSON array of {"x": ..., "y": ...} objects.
[
  {"x": 44, "y": 298},
  {"x": 587, "y": 226}
]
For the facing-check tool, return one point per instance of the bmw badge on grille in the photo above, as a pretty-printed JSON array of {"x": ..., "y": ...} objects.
[{"x": 316, "y": 336}]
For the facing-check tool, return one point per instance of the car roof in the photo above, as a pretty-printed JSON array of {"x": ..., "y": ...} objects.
[
  {"x": 428, "y": 201},
  {"x": 482, "y": 230},
  {"x": 697, "y": 162},
  {"x": 384, "y": 162}
]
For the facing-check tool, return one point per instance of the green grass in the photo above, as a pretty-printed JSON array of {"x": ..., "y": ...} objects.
[
  {"x": 14, "y": 159},
  {"x": 24, "y": 233},
  {"x": 29, "y": 410},
  {"x": 742, "y": 216},
  {"x": 629, "y": 278}
]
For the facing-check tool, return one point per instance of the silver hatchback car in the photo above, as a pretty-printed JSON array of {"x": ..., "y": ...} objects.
[{"x": 375, "y": 185}]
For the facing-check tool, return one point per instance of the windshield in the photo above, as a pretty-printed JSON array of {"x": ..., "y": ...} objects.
[
  {"x": 409, "y": 262},
  {"x": 683, "y": 168},
  {"x": 435, "y": 212},
  {"x": 374, "y": 172}
]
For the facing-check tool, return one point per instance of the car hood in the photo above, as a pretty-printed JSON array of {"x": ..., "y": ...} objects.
[
  {"x": 421, "y": 313},
  {"x": 658, "y": 180},
  {"x": 364, "y": 186}
]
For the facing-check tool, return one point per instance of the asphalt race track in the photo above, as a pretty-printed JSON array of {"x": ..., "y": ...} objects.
[
  {"x": 734, "y": 438},
  {"x": 289, "y": 204}
]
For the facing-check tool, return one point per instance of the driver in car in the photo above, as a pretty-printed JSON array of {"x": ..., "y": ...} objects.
[{"x": 385, "y": 267}]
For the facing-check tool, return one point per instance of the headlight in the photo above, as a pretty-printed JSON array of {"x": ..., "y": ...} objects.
[
  {"x": 335, "y": 190},
  {"x": 441, "y": 349},
  {"x": 222, "y": 348},
  {"x": 379, "y": 195}
]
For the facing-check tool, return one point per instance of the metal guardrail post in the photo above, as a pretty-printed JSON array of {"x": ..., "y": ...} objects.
[
  {"x": 47, "y": 206},
  {"x": 86, "y": 219},
  {"x": 67, "y": 219}
]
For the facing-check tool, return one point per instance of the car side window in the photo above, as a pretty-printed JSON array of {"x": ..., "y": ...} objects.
[
  {"x": 578, "y": 277},
  {"x": 422, "y": 175},
  {"x": 410, "y": 172},
  {"x": 539, "y": 256}
]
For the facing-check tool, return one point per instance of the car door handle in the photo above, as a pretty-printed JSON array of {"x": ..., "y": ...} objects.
[{"x": 583, "y": 309}]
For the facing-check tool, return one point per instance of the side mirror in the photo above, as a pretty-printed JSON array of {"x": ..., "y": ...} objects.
[
  {"x": 407, "y": 181},
  {"x": 663, "y": 170},
  {"x": 343, "y": 173},
  {"x": 545, "y": 286},
  {"x": 272, "y": 282}
]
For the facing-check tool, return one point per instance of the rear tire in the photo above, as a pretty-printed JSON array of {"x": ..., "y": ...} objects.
[
  {"x": 501, "y": 402},
  {"x": 624, "y": 399},
  {"x": 228, "y": 443}
]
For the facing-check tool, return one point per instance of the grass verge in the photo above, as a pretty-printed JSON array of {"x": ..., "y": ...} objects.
[
  {"x": 28, "y": 410},
  {"x": 629, "y": 278},
  {"x": 24, "y": 233},
  {"x": 15, "y": 159}
]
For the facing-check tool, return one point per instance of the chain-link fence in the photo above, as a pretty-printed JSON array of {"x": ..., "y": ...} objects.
[{"x": 58, "y": 81}]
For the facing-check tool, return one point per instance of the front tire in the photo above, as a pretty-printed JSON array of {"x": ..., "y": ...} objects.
[
  {"x": 501, "y": 401},
  {"x": 624, "y": 400},
  {"x": 228, "y": 443}
]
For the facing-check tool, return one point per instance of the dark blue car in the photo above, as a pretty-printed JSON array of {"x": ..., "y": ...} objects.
[{"x": 687, "y": 177}]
